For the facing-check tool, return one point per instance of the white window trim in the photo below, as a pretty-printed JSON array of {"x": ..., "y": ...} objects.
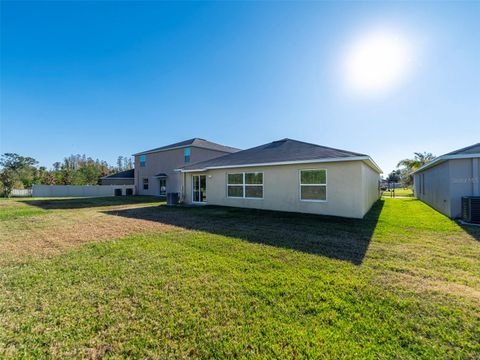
[
  {"x": 300, "y": 186},
  {"x": 244, "y": 185},
  {"x": 160, "y": 191},
  {"x": 193, "y": 189}
]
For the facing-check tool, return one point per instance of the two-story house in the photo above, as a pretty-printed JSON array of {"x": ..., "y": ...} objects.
[{"x": 155, "y": 169}]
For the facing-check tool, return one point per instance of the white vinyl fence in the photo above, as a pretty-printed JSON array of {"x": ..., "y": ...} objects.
[
  {"x": 80, "y": 190},
  {"x": 21, "y": 192}
]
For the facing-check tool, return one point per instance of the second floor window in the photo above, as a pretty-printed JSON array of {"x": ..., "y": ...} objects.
[
  {"x": 186, "y": 155},
  {"x": 142, "y": 160}
]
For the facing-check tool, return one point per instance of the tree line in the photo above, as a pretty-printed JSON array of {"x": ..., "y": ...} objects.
[{"x": 21, "y": 172}]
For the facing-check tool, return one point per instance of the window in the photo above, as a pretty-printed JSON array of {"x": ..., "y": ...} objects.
[
  {"x": 245, "y": 185},
  {"x": 313, "y": 185},
  {"x": 142, "y": 160},
  {"x": 145, "y": 183},
  {"x": 186, "y": 155},
  {"x": 163, "y": 187}
]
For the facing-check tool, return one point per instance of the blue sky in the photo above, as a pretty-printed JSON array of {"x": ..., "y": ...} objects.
[{"x": 109, "y": 79}]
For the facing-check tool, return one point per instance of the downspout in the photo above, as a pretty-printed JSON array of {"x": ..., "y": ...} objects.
[{"x": 475, "y": 177}]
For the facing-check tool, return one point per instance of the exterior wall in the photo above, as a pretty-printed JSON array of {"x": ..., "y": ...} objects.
[
  {"x": 166, "y": 162},
  {"x": 464, "y": 179},
  {"x": 114, "y": 181},
  {"x": 371, "y": 184},
  {"x": 346, "y": 182},
  {"x": 78, "y": 190},
  {"x": 436, "y": 190}
]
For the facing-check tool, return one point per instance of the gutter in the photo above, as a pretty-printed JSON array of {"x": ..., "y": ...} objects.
[{"x": 366, "y": 159}]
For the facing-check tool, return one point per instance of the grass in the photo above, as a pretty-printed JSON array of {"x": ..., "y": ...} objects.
[
  {"x": 106, "y": 279},
  {"x": 400, "y": 192}
]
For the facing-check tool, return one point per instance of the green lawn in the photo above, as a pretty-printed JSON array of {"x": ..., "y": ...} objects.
[
  {"x": 102, "y": 278},
  {"x": 400, "y": 192}
]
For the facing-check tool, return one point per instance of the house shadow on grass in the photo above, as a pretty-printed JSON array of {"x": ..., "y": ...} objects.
[
  {"x": 472, "y": 230},
  {"x": 90, "y": 202},
  {"x": 334, "y": 237}
]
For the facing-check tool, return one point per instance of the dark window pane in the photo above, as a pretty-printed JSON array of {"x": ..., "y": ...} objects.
[
  {"x": 254, "y": 178},
  {"x": 313, "y": 176},
  {"x": 235, "y": 191},
  {"x": 254, "y": 191},
  {"x": 313, "y": 192},
  {"x": 235, "y": 178}
]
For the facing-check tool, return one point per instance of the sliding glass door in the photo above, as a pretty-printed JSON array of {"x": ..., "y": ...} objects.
[{"x": 199, "y": 187}]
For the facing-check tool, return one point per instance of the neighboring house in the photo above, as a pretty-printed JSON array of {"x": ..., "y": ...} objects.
[
  {"x": 126, "y": 177},
  {"x": 155, "y": 169},
  {"x": 442, "y": 182},
  {"x": 287, "y": 175}
]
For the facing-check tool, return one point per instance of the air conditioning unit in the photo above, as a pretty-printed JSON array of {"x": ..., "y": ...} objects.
[{"x": 471, "y": 209}]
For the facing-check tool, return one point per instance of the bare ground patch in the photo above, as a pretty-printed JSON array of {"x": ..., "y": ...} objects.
[{"x": 58, "y": 231}]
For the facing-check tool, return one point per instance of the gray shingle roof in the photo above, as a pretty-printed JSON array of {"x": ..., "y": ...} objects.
[
  {"x": 472, "y": 149},
  {"x": 284, "y": 150},
  {"x": 121, "y": 175},
  {"x": 197, "y": 142}
]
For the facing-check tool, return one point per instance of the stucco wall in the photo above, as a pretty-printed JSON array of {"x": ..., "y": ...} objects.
[
  {"x": 166, "y": 162},
  {"x": 464, "y": 177},
  {"x": 370, "y": 191},
  {"x": 436, "y": 192},
  {"x": 446, "y": 183},
  {"x": 345, "y": 185}
]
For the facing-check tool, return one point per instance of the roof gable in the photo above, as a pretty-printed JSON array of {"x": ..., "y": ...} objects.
[{"x": 196, "y": 142}]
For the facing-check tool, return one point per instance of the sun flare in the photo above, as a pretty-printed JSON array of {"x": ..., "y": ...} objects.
[{"x": 377, "y": 62}]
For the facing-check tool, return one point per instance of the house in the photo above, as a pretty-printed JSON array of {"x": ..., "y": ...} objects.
[
  {"x": 155, "y": 169},
  {"x": 442, "y": 182},
  {"x": 126, "y": 177},
  {"x": 286, "y": 175}
]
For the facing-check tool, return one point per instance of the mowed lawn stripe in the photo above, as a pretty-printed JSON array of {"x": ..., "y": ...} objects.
[{"x": 201, "y": 292}]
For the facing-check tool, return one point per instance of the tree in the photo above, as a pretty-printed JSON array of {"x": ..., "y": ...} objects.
[
  {"x": 15, "y": 167},
  {"x": 120, "y": 163},
  {"x": 394, "y": 176},
  {"x": 408, "y": 166},
  {"x": 418, "y": 160},
  {"x": 7, "y": 179}
]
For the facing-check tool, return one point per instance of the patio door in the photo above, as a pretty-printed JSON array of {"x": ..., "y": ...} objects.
[{"x": 199, "y": 188}]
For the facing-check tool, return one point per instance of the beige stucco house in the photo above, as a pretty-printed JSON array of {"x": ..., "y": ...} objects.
[
  {"x": 286, "y": 175},
  {"x": 442, "y": 182},
  {"x": 155, "y": 170}
]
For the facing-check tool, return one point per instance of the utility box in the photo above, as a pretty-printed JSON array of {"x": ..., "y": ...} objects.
[
  {"x": 172, "y": 198},
  {"x": 471, "y": 209}
]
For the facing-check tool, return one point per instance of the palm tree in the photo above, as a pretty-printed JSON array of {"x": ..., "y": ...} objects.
[
  {"x": 419, "y": 160},
  {"x": 410, "y": 165}
]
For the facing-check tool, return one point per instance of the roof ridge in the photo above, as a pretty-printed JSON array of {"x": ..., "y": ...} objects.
[
  {"x": 462, "y": 149},
  {"x": 322, "y": 146}
]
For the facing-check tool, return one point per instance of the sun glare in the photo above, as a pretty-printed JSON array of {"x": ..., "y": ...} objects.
[{"x": 377, "y": 62}]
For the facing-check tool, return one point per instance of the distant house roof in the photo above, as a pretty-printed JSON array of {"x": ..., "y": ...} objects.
[
  {"x": 127, "y": 174},
  {"x": 279, "y": 152},
  {"x": 195, "y": 142},
  {"x": 471, "y": 151}
]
